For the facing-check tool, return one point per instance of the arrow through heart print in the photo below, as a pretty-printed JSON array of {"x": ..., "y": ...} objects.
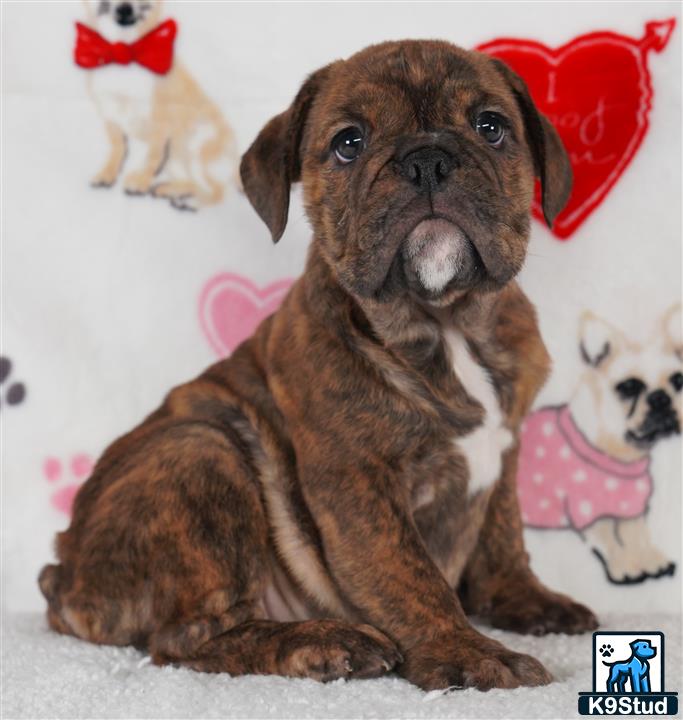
[{"x": 597, "y": 92}]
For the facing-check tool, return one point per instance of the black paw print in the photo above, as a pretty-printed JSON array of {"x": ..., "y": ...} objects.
[
  {"x": 15, "y": 392},
  {"x": 606, "y": 650}
]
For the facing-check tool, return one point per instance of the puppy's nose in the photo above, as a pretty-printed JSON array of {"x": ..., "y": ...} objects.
[
  {"x": 427, "y": 168},
  {"x": 659, "y": 400},
  {"x": 124, "y": 11}
]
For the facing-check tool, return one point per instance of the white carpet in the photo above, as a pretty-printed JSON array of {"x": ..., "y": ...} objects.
[{"x": 48, "y": 676}]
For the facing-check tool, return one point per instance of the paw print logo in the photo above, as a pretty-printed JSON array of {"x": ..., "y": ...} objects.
[
  {"x": 13, "y": 393},
  {"x": 606, "y": 650},
  {"x": 66, "y": 481}
]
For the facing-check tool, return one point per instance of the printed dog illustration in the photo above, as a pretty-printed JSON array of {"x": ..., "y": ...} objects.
[
  {"x": 586, "y": 465},
  {"x": 145, "y": 95},
  {"x": 635, "y": 670}
]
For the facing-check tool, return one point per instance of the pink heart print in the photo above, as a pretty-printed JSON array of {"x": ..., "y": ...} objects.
[{"x": 232, "y": 306}]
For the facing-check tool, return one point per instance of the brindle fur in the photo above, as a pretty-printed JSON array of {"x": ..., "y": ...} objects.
[{"x": 317, "y": 465}]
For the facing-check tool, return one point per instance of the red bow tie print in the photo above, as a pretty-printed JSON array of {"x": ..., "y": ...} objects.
[{"x": 153, "y": 50}]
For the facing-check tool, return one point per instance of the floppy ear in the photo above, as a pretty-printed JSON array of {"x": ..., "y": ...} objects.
[
  {"x": 672, "y": 330},
  {"x": 273, "y": 162},
  {"x": 551, "y": 161},
  {"x": 597, "y": 339}
]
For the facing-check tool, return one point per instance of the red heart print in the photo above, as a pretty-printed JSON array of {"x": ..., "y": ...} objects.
[
  {"x": 232, "y": 306},
  {"x": 596, "y": 90}
]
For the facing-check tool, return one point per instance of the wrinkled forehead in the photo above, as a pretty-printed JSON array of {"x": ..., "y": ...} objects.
[{"x": 421, "y": 85}]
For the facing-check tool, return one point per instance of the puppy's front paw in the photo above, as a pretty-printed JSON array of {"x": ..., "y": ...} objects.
[
  {"x": 471, "y": 660},
  {"x": 104, "y": 179},
  {"x": 137, "y": 183},
  {"x": 333, "y": 650},
  {"x": 541, "y": 612}
]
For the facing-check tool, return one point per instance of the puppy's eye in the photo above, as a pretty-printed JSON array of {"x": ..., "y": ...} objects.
[
  {"x": 491, "y": 127},
  {"x": 677, "y": 381},
  {"x": 630, "y": 388},
  {"x": 348, "y": 145}
]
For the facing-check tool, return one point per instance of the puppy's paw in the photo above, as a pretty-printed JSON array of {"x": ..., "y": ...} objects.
[
  {"x": 541, "y": 612},
  {"x": 632, "y": 569},
  {"x": 104, "y": 179},
  {"x": 471, "y": 660},
  {"x": 657, "y": 565},
  {"x": 137, "y": 183},
  {"x": 181, "y": 195},
  {"x": 334, "y": 650}
]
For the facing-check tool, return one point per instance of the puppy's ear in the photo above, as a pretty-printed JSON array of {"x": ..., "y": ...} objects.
[
  {"x": 673, "y": 330},
  {"x": 597, "y": 339},
  {"x": 551, "y": 161},
  {"x": 273, "y": 162},
  {"x": 91, "y": 7}
]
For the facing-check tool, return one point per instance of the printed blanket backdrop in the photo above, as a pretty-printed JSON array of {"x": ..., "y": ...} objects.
[{"x": 131, "y": 260}]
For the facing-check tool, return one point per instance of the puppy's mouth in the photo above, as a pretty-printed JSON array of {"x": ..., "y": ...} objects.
[
  {"x": 655, "y": 427},
  {"x": 437, "y": 255}
]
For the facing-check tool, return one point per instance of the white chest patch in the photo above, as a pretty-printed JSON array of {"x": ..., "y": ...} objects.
[
  {"x": 123, "y": 95},
  {"x": 484, "y": 446}
]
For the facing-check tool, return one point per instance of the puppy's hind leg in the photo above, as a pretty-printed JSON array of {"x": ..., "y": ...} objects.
[{"x": 50, "y": 581}]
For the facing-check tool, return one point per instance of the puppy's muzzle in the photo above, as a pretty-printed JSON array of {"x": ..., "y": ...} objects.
[
  {"x": 427, "y": 168},
  {"x": 660, "y": 422},
  {"x": 436, "y": 252}
]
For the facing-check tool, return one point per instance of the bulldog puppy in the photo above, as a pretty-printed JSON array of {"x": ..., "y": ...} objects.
[{"x": 332, "y": 499}]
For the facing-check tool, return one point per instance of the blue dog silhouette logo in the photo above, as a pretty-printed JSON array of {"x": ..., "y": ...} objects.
[
  {"x": 628, "y": 676},
  {"x": 634, "y": 670}
]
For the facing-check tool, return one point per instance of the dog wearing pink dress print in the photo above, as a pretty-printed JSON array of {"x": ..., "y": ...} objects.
[{"x": 586, "y": 465}]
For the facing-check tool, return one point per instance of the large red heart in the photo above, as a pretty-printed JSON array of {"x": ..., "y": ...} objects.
[
  {"x": 231, "y": 307},
  {"x": 596, "y": 90}
]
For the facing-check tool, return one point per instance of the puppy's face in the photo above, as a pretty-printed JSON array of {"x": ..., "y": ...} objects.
[
  {"x": 418, "y": 162},
  {"x": 637, "y": 389},
  {"x": 124, "y": 20}
]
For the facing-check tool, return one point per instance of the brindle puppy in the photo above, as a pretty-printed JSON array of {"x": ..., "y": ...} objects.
[{"x": 354, "y": 461}]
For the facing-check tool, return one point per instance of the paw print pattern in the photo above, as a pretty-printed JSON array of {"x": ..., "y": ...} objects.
[
  {"x": 13, "y": 393},
  {"x": 606, "y": 650},
  {"x": 79, "y": 468}
]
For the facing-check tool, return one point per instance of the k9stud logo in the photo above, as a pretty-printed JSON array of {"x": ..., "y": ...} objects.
[{"x": 628, "y": 676}]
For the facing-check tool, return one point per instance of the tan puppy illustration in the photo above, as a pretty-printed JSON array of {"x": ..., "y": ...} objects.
[
  {"x": 185, "y": 136},
  {"x": 586, "y": 465}
]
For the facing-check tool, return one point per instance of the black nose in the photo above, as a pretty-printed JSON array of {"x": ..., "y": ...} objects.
[
  {"x": 659, "y": 400},
  {"x": 124, "y": 11},
  {"x": 427, "y": 168}
]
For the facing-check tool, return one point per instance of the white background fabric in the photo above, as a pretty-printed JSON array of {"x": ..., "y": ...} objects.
[
  {"x": 48, "y": 675},
  {"x": 100, "y": 290}
]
